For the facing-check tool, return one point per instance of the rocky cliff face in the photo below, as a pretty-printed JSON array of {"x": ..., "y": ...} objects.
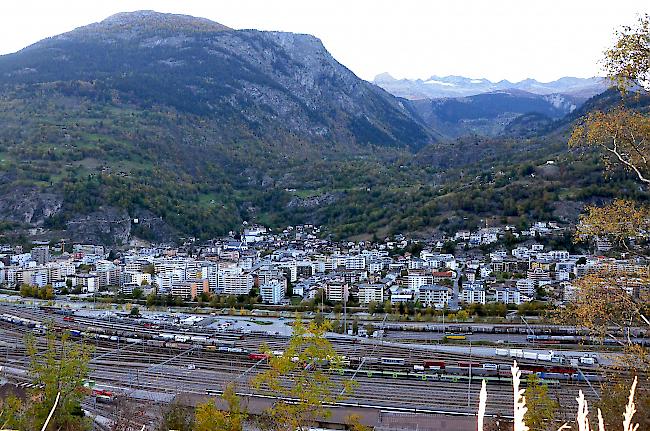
[{"x": 29, "y": 205}]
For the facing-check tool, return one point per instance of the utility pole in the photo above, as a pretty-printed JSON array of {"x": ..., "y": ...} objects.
[
  {"x": 469, "y": 381},
  {"x": 345, "y": 311}
]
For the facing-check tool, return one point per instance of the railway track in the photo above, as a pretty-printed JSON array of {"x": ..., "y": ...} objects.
[{"x": 137, "y": 367}]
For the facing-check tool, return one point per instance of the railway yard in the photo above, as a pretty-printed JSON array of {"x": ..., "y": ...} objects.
[{"x": 152, "y": 364}]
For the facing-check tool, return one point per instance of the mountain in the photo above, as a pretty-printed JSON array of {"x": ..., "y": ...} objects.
[
  {"x": 539, "y": 125},
  {"x": 162, "y": 127},
  {"x": 182, "y": 123},
  {"x": 459, "y": 86},
  {"x": 489, "y": 114},
  {"x": 267, "y": 83}
]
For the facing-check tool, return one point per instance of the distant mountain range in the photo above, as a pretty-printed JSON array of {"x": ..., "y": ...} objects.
[
  {"x": 488, "y": 114},
  {"x": 459, "y": 86}
]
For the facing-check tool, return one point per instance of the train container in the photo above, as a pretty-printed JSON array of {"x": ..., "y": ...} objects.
[
  {"x": 181, "y": 338},
  {"x": 488, "y": 366},
  {"x": 164, "y": 336},
  {"x": 75, "y": 333},
  {"x": 198, "y": 339},
  {"x": 484, "y": 372},
  {"x": 502, "y": 352},
  {"x": 235, "y": 350},
  {"x": 545, "y": 357},
  {"x": 132, "y": 340},
  {"x": 155, "y": 343},
  {"x": 563, "y": 370},
  {"x": 466, "y": 364},
  {"x": 459, "y": 371},
  {"x": 183, "y": 346},
  {"x": 258, "y": 356},
  {"x": 553, "y": 376},
  {"x": 434, "y": 365},
  {"x": 455, "y": 337},
  {"x": 547, "y": 342},
  {"x": 211, "y": 348},
  {"x": 418, "y": 367},
  {"x": 392, "y": 361},
  {"x": 530, "y": 355},
  {"x": 580, "y": 377},
  {"x": 225, "y": 343},
  {"x": 516, "y": 353},
  {"x": 586, "y": 360}
]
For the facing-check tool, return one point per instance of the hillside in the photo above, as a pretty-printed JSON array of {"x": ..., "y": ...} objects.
[
  {"x": 161, "y": 127},
  {"x": 181, "y": 118},
  {"x": 489, "y": 114}
]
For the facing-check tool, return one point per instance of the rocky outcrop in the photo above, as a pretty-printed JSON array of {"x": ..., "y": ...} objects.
[
  {"x": 314, "y": 201},
  {"x": 114, "y": 226},
  {"x": 29, "y": 205},
  {"x": 109, "y": 226}
]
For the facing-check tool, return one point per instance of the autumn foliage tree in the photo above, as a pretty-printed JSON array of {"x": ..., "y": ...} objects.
[
  {"x": 303, "y": 387},
  {"x": 611, "y": 298},
  {"x": 541, "y": 407},
  {"x": 60, "y": 369},
  {"x": 613, "y": 302},
  {"x": 208, "y": 417}
]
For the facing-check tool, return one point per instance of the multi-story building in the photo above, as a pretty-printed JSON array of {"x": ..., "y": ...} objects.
[
  {"x": 355, "y": 262},
  {"x": 336, "y": 291},
  {"x": 190, "y": 288},
  {"x": 473, "y": 295},
  {"x": 417, "y": 278},
  {"x": 508, "y": 295},
  {"x": 273, "y": 292},
  {"x": 41, "y": 254},
  {"x": 235, "y": 282},
  {"x": 371, "y": 292},
  {"x": 526, "y": 286},
  {"x": 434, "y": 296}
]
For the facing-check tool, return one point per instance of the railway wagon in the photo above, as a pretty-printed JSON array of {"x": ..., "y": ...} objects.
[
  {"x": 433, "y": 364},
  {"x": 258, "y": 356},
  {"x": 466, "y": 364},
  {"x": 392, "y": 361},
  {"x": 485, "y": 372}
]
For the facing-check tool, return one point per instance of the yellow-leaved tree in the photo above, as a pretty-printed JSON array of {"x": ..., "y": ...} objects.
[
  {"x": 301, "y": 381},
  {"x": 612, "y": 300},
  {"x": 208, "y": 417}
]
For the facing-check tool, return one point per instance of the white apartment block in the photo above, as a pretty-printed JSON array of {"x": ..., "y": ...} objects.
[
  {"x": 417, "y": 280},
  {"x": 235, "y": 282},
  {"x": 473, "y": 295},
  {"x": 273, "y": 292},
  {"x": 355, "y": 262},
  {"x": 371, "y": 292},
  {"x": 526, "y": 286},
  {"x": 336, "y": 291},
  {"x": 508, "y": 296},
  {"x": 434, "y": 296}
]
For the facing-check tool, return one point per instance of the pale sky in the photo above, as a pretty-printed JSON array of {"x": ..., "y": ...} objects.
[{"x": 494, "y": 39}]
